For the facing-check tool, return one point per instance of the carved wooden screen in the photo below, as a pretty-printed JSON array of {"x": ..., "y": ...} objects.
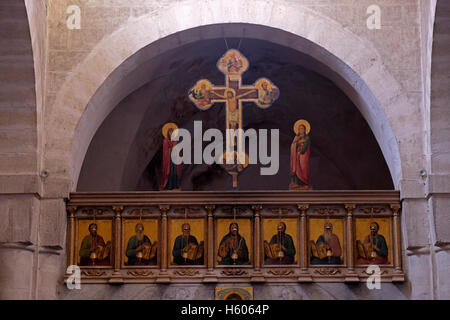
[{"x": 310, "y": 236}]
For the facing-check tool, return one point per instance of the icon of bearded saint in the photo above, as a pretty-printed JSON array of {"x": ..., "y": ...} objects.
[
  {"x": 374, "y": 249},
  {"x": 232, "y": 248},
  {"x": 327, "y": 249},
  {"x": 186, "y": 249},
  {"x": 140, "y": 250},
  {"x": 281, "y": 248},
  {"x": 93, "y": 250}
]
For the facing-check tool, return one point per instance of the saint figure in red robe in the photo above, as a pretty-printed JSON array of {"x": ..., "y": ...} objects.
[
  {"x": 300, "y": 152},
  {"x": 170, "y": 171}
]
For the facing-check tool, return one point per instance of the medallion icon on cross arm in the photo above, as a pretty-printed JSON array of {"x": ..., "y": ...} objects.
[{"x": 204, "y": 94}]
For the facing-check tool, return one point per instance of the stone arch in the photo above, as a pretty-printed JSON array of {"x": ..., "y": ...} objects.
[
  {"x": 439, "y": 111},
  {"x": 439, "y": 154},
  {"x": 17, "y": 100},
  {"x": 83, "y": 102}
]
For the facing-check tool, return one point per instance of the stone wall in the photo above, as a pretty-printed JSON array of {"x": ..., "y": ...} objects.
[
  {"x": 313, "y": 291},
  {"x": 49, "y": 118},
  {"x": 18, "y": 142},
  {"x": 19, "y": 207},
  {"x": 32, "y": 227},
  {"x": 70, "y": 59}
]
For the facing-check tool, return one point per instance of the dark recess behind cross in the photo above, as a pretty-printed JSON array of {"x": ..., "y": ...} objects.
[{"x": 344, "y": 153}]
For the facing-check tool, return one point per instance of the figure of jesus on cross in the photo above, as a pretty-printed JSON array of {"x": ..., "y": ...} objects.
[{"x": 204, "y": 94}]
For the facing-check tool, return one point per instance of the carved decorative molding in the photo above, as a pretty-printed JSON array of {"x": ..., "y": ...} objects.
[
  {"x": 372, "y": 210},
  {"x": 93, "y": 212},
  {"x": 233, "y": 198},
  {"x": 281, "y": 272},
  {"x": 234, "y": 272},
  {"x": 327, "y": 271},
  {"x": 140, "y": 273},
  {"x": 164, "y": 208},
  {"x": 326, "y": 211},
  {"x": 373, "y": 272},
  {"x": 117, "y": 209},
  {"x": 234, "y": 210},
  {"x": 71, "y": 210},
  {"x": 94, "y": 273},
  {"x": 187, "y": 210},
  {"x": 257, "y": 208},
  {"x": 142, "y": 212},
  {"x": 395, "y": 208},
  {"x": 350, "y": 208},
  {"x": 186, "y": 272},
  {"x": 281, "y": 210}
]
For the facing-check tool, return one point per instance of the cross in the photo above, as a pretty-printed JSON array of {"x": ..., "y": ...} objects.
[{"x": 204, "y": 94}]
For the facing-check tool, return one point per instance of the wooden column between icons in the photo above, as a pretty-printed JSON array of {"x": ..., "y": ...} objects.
[
  {"x": 304, "y": 253},
  {"x": 397, "y": 241},
  {"x": 351, "y": 275},
  {"x": 257, "y": 274},
  {"x": 116, "y": 277},
  {"x": 163, "y": 275},
  {"x": 71, "y": 254},
  {"x": 210, "y": 275}
]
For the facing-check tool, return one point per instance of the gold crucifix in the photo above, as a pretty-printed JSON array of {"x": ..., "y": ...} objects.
[{"x": 204, "y": 94}]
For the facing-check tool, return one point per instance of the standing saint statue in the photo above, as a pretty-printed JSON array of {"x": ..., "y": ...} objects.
[
  {"x": 300, "y": 152},
  {"x": 170, "y": 171}
]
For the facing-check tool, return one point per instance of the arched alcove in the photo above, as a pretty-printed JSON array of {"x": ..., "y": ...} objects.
[
  {"x": 87, "y": 98},
  {"x": 125, "y": 154}
]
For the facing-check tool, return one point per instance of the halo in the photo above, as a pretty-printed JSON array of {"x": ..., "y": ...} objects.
[
  {"x": 167, "y": 126},
  {"x": 260, "y": 81},
  {"x": 203, "y": 82},
  {"x": 302, "y": 122}
]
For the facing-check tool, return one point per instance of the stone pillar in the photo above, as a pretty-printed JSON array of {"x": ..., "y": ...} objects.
[
  {"x": 257, "y": 274},
  {"x": 351, "y": 275},
  {"x": 32, "y": 260},
  {"x": 304, "y": 254},
  {"x": 163, "y": 275},
  {"x": 51, "y": 258},
  {"x": 18, "y": 246},
  {"x": 210, "y": 275},
  {"x": 117, "y": 276}
]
